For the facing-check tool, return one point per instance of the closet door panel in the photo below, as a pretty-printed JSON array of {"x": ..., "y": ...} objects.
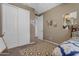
[
  {"x": 23, "y": 26},
  {"x": 9, "y": 25}
]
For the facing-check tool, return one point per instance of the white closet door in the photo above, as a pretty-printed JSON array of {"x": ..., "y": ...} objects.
[
  {"x": 39, "y": 27},
  {"x": 23, "y": 26},
  {"x": 9, "y": 25}
]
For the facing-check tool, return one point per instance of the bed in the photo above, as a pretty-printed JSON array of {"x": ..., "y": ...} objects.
[{"x": 67, "y": 48}]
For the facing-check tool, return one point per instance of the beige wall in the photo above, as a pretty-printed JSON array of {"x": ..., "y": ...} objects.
[
  {"x": 58, "y": 34},
  {"x": 0, "y": 21},
  {"x": 32, "y": 16}
]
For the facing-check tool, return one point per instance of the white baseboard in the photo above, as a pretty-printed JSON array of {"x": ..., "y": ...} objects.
[
  {"x": 52, "y": 42},
  {"x": 32, "y": 43}
]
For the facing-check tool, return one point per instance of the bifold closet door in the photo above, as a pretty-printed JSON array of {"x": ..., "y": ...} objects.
[
  {"x": 23, "y": 26},
  {"x": 9, "y": 17},
  {"x": 16, "y": 25}
]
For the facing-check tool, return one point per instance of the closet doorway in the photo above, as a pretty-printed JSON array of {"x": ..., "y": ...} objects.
[{"x": 39, "y": 27}]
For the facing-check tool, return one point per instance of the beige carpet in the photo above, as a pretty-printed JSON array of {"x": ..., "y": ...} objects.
[{"x": 40, "y": 48}]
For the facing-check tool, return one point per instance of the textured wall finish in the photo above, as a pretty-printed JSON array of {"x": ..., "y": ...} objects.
[{"x": 58, "y": 34}]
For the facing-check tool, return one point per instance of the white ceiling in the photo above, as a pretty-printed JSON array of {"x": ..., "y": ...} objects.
[{"x": 42, "y": 7}]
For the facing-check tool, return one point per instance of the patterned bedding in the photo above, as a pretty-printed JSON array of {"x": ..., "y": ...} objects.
[{"x": 68, "y": 48}]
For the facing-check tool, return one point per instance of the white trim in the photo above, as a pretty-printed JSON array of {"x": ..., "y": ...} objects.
[{"x": 52, "y": 42}]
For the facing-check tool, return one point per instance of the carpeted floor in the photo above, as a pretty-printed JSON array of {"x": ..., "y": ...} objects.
[{"x": 40, "y": 48}]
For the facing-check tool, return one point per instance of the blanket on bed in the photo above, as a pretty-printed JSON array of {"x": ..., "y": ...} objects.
[{"x": 68, "y": 48}]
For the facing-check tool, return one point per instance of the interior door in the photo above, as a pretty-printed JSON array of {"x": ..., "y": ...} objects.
[
  {"x": 9, "y": 15},
  {"x": 39, "y": 27},
  {"x": 23, "y": 26}
]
